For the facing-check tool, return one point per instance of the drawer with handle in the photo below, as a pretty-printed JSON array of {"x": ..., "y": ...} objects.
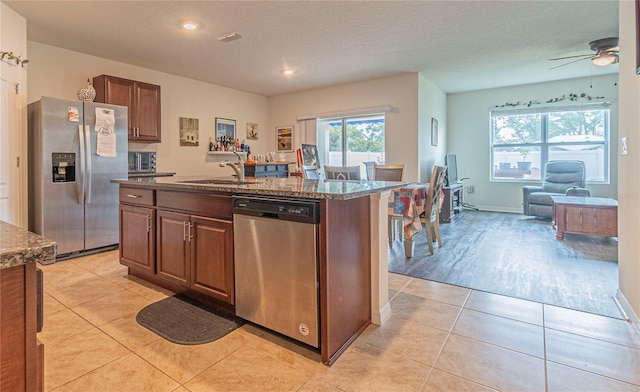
[{"x": 145, "y": 197}]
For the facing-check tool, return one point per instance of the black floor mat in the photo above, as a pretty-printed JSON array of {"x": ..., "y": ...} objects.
[{"x": 182, "y": 321}]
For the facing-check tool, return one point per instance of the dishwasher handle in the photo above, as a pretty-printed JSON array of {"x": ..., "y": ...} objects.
[{"x": 271, "y": 215}]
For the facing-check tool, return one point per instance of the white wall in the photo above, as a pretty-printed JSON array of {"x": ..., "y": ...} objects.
[
  {"x": 60, "y": 73},
  {"x": 432, "y": 103},
  {"x": 629, "y": 196},
  {"x": 401, "y": 128},
  {"x": 469, "y": 137}
]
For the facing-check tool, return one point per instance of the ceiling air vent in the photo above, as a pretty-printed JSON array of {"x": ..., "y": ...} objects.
[{"x": 232, "y": 36}]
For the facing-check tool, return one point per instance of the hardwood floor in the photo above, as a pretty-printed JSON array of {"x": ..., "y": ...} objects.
[{"x": 518, "y": 256}]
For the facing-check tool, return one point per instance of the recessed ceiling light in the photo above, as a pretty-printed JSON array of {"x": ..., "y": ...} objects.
[
  {"x": 190, "y": 26},
  {"x": 288, "y": 71}
]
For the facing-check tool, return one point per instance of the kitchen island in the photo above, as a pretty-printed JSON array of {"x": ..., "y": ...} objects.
[
  {"x": 21, "y": 353},
  {"x": 178, "y": 233}
]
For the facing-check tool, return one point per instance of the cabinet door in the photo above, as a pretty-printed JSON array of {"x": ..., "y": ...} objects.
[
  {"x": 147, "y": 111},
  {"x": 173, "y": 247},
  {"x": 118, "y": 91},
  {"x": 137, "y": 237},
  {"x": 212, "y": 258}
]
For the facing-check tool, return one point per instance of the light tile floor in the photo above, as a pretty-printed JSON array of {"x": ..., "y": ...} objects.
[{"x": 439, "y": 338}]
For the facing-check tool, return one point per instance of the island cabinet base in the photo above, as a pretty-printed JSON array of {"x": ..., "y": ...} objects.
[
  {"x": 218, "y": 306},
  {"x": 345, "y": 274},
  {"x": 20, "y": 356},
  {"x": 186, "y": 246},
  {"x": 182, "y": 241}
]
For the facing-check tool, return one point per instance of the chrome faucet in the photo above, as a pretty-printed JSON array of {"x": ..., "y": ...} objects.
[{"x": 237, "y": 167}]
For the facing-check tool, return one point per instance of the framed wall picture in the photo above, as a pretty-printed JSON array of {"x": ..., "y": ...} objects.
[
  {"x": 284, "y": 139},
  {"x": 434, "y": 132},
  {"x": 189, "y": 131},
  {"x": 252, "y": 131},
  {"x": 310, "y": 155},
  {"x": 225, "y": 128}
]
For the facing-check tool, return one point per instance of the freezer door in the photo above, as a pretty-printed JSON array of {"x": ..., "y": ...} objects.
[
  {"x": 101, "y": 196},
  {"x": 56, "y": 209}
]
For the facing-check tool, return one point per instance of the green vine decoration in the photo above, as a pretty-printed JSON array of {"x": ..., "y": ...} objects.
[
  {"x": 12, "y": 56},
  {"x": 569, "y": 97}
]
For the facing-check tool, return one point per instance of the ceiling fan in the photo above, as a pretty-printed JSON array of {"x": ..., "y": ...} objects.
[{"x": 606, "y": 53}]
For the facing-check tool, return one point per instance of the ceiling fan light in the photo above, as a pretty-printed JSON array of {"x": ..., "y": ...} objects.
[{"x": 603, "y": 59}]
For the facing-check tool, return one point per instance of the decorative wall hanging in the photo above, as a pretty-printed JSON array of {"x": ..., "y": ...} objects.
[
  {"x": 252, "y": 131},
  {"x": 12, "y": 58},
  {"x": 225, "y": 128},
  {"x": 284, "y": 138},
  {"x": 189, "y": 131}
]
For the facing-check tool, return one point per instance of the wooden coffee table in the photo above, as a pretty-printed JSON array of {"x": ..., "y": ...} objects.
[{"x": 585, "y": 215}]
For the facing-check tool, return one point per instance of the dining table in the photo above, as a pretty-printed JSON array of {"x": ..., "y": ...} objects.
[{"x": 407, "y": 203}]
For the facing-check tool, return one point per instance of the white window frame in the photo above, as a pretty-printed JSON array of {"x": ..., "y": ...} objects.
[{"x": 544, "y": 145}]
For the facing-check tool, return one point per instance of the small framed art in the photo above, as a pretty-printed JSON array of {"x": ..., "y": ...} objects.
[
  {"x": 225, "y": 128},
  {"x": 284, "y": 138},
  {"x": 252, "y": 131},
  {"x": 189, "y": 131}
]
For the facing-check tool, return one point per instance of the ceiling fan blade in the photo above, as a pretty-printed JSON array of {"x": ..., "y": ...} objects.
[
  {"x": 571, "y": 57},
  {"x": 570, "y": 62}
]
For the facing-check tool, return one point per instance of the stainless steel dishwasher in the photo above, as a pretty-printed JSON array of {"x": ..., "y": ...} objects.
[{"x": 276, "y": 264}]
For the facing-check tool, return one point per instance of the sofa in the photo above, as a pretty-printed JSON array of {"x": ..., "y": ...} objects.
[{"x": 560, "y": 177}]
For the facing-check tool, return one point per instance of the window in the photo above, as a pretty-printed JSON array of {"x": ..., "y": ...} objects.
[
  {"x": 522, "y": 141},
  {"x": 351, "y": 141}
]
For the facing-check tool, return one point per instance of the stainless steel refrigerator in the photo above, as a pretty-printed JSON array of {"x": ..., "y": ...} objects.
[{"x": 71, "y": 163}]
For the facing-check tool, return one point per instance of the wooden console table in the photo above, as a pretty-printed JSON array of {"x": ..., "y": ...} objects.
[{"x": 585, "y": 215}]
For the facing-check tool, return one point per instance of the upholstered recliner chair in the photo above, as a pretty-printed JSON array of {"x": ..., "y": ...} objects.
[{"x": 560, "y": 178}]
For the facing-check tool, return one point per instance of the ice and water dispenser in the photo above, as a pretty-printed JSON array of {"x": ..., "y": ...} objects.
[{"x": 63, "y": 166}]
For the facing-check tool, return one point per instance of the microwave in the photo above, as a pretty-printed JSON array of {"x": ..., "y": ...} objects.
[{"x": 142, "y": 162}]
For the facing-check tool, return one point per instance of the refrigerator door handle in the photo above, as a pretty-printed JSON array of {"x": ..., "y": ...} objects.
[
  {"x": 87, "y": 133},
  {"x": 82, "y": 164}
]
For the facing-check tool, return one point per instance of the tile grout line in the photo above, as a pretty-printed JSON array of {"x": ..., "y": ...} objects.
[{"x": 544, "y": 347}]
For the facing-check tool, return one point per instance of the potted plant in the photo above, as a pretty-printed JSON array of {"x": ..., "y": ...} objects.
[{"x": 524, "y": 153}]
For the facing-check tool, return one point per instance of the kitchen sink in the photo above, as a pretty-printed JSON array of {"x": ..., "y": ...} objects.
[{"x": 214, "y": 181}]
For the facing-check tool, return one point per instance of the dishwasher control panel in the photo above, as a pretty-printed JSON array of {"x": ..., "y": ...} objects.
[{"x": 296, "y": 210}]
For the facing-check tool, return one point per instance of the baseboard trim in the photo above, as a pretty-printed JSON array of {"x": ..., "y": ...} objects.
[
  {"x": 517, "y": 210},
  {"x": 627, "y": 311},
  {"x": 385, "y": 313}
]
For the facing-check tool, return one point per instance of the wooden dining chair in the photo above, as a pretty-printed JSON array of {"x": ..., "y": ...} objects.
[
  {"x": 310, "y": 172},
  {"x": 432, "y": 206},
  {"x": 388, "y": 172},
  {"x": 342, "y": 172}
]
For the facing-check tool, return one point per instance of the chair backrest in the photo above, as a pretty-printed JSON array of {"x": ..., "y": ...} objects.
[
  {"x": 369, "y": 169},
  {"x": 342, "y": 172},
  {"x": 388, "y": 172},
  {"x": 562, "y": 175},
  {"x": 310, "y": 172},
  {"x": 432, "y": 207}
]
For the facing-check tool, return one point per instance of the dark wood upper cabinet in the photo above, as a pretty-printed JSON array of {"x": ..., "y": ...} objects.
[{"x": 142, "y": 99}]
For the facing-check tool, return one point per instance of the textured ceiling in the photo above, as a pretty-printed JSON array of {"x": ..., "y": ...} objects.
[{"x": 459, "y": 45}]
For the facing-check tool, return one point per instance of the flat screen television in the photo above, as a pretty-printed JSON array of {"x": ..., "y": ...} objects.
[{"x": 452, "y": 169}]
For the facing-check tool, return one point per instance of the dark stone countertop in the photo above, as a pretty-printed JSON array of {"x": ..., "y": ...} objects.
[
  {"x": 285, "y": 187},
  {"x": 19, "y": 246}
]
